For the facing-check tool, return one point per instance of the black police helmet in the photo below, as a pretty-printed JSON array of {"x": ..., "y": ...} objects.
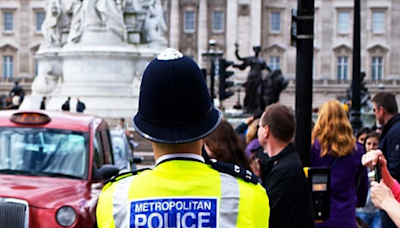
[{"x": 174, "y": 103}]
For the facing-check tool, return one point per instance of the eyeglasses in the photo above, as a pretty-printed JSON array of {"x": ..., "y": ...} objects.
[
  {"x": 376, "y": 109},
  {"x": 259, "y": 125}
]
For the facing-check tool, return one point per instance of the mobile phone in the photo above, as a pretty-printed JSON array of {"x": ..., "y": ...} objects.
[{"x": 378, "y": 173}]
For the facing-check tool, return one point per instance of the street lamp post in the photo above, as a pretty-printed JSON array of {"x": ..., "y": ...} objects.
[
  {"x": 304, "y": 80},
  {"x": 212, "y": 55},
  {"x": 211, "y": 52},
  {"x": 355, "y": 113}
]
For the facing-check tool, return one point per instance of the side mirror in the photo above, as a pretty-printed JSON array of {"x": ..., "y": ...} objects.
[
  {"x": 105, "y": 172},
  {"x": 138, "y": 159}
]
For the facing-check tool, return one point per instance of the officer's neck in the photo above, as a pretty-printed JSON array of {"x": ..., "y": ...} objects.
[{"x": 161, "y": 149}]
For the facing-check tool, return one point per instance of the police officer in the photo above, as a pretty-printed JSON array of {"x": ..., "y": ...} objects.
[{"x": 175, "y": 113}]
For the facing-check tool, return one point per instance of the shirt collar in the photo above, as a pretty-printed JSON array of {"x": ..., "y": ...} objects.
[{"x": 179, "y": 155}]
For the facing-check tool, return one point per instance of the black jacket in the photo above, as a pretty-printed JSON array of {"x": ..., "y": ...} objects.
[
  {"x": 288, "y": 190},
  {"x": 390, "y": 146}
]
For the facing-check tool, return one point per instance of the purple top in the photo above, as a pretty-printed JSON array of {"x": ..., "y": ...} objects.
[
  {"x": 344, "y": 178},
  {"x": 253, "y": 145}
]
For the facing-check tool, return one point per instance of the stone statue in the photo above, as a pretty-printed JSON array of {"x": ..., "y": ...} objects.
[
  {"x": 154, "y": 25},
  {"x": 120, "y": 4},
  {"x": 56, "y": 19},
  {"x": 94, "y": 15},
  {"x": 254, "y": 83},
  {"x": 272, "y": 87},
  {"x": 76, "y": 29},
  {"x": 46, "y": 80},
  {"x": 364, "y": 93}
]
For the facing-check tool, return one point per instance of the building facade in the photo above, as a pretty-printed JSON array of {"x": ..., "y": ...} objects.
[
  {"x": 266, "y": 23},
  {"x": 20, "y": 37}
]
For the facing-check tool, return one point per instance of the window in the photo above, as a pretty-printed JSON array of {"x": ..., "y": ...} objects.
[
  {"x": 105, "y": 136},
  {"x": 378, "y": 22},
  {"x": 274, "y": 62},
  {"x": 344, "y": 22},
  {"x": 98, "y": 156},
  {"x": 343, "y": 67},
  {"x": 40, "y": 150},
  {"x": 218, "y": 21},
  {"x": 8, "y": 21},
  {"x": 275, "y": 22},
  {"x": 39, "y": 20},
  {"x": 189, "y": 23},
  {"x": 377, "y": 68},
  {"x": 8, "y": 66}
]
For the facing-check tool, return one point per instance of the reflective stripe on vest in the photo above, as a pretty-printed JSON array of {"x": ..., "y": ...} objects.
[
  {"x": 120, "y": 202},
  {"x": 230, "y": 196}
]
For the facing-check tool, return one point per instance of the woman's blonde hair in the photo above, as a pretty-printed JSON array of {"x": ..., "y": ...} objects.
[
  {"x": 333, "y": 130},
  {"x": 252, "y": 131}
]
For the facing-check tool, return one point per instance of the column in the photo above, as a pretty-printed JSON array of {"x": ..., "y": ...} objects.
[
  {"x": 231, "y": 28},
  {"x": 202, "y": 31},
  {"x": 174, "y": 26}
]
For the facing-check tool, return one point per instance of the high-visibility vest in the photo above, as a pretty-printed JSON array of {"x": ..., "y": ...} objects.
[{"x": 181, "y": 194}]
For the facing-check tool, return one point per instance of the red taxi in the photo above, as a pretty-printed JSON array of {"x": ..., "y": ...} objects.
[{"x": 51, "y": 168}]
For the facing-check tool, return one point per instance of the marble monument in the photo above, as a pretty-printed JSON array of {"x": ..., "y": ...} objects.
[{"x": 96, "y": 50}]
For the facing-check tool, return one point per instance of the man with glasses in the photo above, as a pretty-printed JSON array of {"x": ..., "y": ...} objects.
[
  {"x": 385, "y": 110},
  {"x": 282, "y": 173}
]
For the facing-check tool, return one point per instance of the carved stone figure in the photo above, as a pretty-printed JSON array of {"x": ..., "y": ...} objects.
[
  {"x": 76, "y": 30},
  {"x": 56, "y": 19},
  {"x": 254, "y": 83},
  {"x": 364, "y": 93},
  {"x": 46, "y": 80},
  {"x": 272, "y": 87},
  {"x": 154, "y": 25},
  {"x": 97, "y": 14}
]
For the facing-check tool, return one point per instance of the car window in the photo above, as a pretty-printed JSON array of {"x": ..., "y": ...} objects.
[
  {"x": 118, "y": 148},
  {"x": 98, "y": 158},
  {"x": 44, "y": 151},
  {"x": 107, "y": 146}
]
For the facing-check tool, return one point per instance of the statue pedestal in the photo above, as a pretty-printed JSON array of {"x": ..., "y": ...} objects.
[{"x": 104, "y": 77}]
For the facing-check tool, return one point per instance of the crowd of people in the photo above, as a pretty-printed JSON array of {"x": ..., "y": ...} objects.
[
  {"x": 80, "y": 106},
  {"x": 16, "y": 95},
  {"x": 13, "y": 99},
  {"x": 253, "y": 171},
  {"x": 207, "y": 172}
]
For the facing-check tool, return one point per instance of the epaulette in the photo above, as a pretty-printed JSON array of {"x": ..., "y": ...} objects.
[
  {"x": 233, "y": 170},
  {"x": 123, "y": 175}
]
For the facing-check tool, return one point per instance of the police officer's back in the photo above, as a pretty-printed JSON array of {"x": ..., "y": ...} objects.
[{"x": 175, "y": 113}]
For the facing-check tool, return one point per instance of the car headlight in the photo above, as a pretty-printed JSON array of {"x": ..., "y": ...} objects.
[{"x": 66, "y": 216}]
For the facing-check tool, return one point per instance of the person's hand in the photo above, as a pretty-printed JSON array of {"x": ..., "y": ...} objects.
[
  {"x": 380, "y": 194},
  {"x": 371, "y": 158},
  {"x": 249, "y": 120},
  {"x": 255, "y": 165}
]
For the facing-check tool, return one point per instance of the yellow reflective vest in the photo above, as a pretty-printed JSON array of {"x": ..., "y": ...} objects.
[{"x": 180, "y": 194}]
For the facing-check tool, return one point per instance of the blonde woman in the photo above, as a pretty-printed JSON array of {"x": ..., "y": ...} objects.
[
  {"x": 252, "y": 146},
  {"x": 334, "y": 146},
  {"x": 252, "y": 131}
]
